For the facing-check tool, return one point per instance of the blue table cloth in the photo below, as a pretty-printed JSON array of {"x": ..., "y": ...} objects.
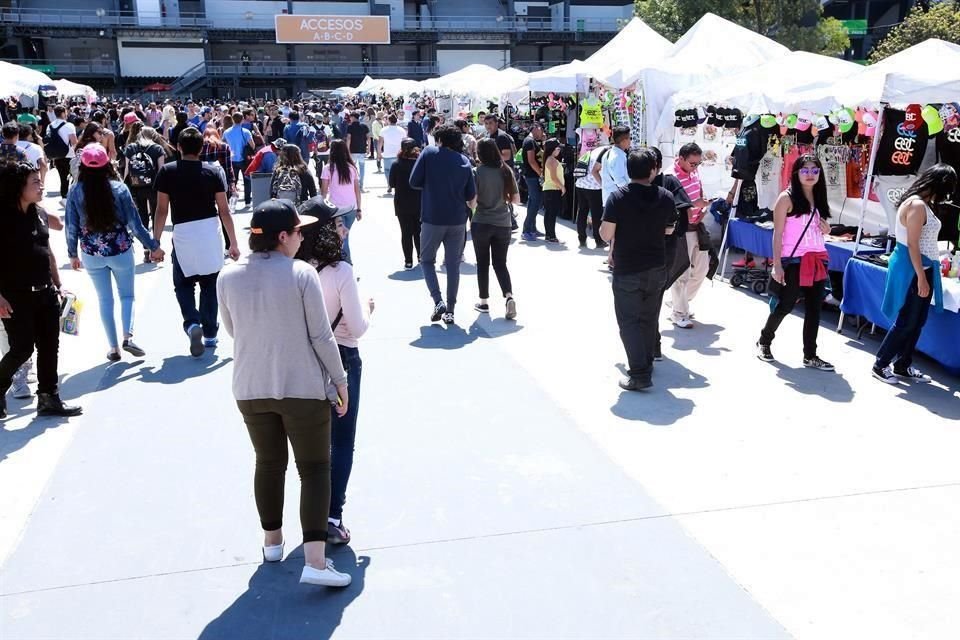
[
  {"x": 863, "y": 284},
  {"x": 759, "y": 242}
]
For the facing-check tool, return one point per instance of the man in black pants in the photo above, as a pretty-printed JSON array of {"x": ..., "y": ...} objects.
[
  {"x": 639, "y": 216},
  {"x": 68, "y": 134}
]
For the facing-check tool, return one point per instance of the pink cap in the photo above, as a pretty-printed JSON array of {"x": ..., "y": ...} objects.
[
  {"x": 94, "y": 156},
  {"x": 130, "y": 118}
]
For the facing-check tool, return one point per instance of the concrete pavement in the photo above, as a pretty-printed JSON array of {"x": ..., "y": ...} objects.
[{"x": 503, "y": 486}]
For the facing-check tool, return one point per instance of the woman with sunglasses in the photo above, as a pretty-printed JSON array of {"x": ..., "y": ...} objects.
[{"x": 799, "y": 258}]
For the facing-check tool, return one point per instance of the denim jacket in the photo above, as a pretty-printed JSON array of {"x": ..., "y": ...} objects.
[{"x": 109, "y": 243}]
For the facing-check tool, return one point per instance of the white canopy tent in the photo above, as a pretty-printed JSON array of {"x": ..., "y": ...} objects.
[
  {"x": 565, "y": 78},
  {"x": 712, "y": 48},
  {"x": 21, "y": 81},
  {"x": 476, "y": 80},
  {"x": 69, "y": 89},
  {"x": 620, "y": 61},
  {"x": 766, "y": 88}
]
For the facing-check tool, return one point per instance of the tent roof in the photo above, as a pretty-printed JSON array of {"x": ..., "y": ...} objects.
[
  {"x": 627, "y": 53},
  {"x": 563, "y": 78},
  {"x": 72, "y": 89},
  {"x": 477, "y": 79},
  {"x": 16, "y": 80}
]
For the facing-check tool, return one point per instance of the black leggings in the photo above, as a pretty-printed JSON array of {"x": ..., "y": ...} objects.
[
  {"x": 812, "y": 301},
  {"x": 409, "y": 235},
  {"x": 62, "y": 165},
  {"x": 552, "y": 206},
  {"x": 146, "y": 200},
  {"x": 35, "y": 323},
  {"x": 489, "y": 239},
  {"x": 589, "y": 203}
]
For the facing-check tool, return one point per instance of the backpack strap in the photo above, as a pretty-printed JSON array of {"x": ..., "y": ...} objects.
[{"x": 336, "y": 321}]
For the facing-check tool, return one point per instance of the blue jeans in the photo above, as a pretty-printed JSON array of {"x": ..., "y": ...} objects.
[
  {"x": 348, "y": 221},
  {"x": 387, "y": 165},
  {"x": 534, "y": 202},
  {"x": 100, "y": 269},
  {"x": 901, "y": 340},
  {"x": 185, "y": 288},
  {"x": 360, "y": 159},
  {"x": 343, "y": 433},
  {"x": 453, "y": 237}
]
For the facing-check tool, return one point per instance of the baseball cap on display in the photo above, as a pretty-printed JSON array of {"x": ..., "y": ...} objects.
[
  {"x": 274, "y": 216},
  {"x": 323, "y": 211},
  {"x": 94, "y": 156}
]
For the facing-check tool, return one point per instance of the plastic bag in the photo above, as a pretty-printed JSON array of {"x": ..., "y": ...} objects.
[{"x": 70, "y": 308}]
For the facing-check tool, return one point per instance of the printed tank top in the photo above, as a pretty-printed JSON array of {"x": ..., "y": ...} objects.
[{"x": 928, "y": 234}]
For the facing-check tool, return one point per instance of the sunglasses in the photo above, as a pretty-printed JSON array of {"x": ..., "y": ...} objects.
[
  {"x": 810, "y": 171},
  {"x": 695, "y": 164}
]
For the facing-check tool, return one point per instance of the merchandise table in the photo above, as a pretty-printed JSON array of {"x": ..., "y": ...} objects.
[
  {"x": 759, "y": 241},
  {"x": 863, "y": 285}
]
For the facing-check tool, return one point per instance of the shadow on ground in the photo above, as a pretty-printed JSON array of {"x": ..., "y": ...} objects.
[
  {"x": 276, "y": 605},
  {"x": 658, "y": 406},
  {"x": 438, "y": 336}
]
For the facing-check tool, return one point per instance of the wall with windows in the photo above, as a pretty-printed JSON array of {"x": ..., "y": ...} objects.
[{"x": 79, "y": 49}]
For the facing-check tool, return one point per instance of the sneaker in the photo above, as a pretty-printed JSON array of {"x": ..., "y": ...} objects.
[
  {"x": 552, "y": 240},
  {"x": 816, "y": 363},
  {"x": 583, "y": 244},
  {"x": 511, "y": 309},
  {"x": 482, "y": 308},
  {"x": 113, "y": 356},
  {"x": 21, "y": 390},
  {"x": 681, "y": 321},
  {"x": 602, "y": 245},
  {"x": 211, "y": 343},
  {"x": 133, "y": 349},
  {"x": 326, "y": 577},
  {"x": 407, "y": 266},
  {"x": 885, "y": 375},
  {"x": 337, "y": 534},
  {"x": 657, "y": 353},
  {"x": 273, "y": 553},
  {"x": 196, "y": 340},
  {"x": 764, "y": 352},
  {"x": 448, "y": 317},
  {"x": 539, "y": 234},
  {"x": 438, "y": 312},
  {"x": 634, "y": 384},
  {"x": 529, "y": 237},
  {"x": 910, "y": 374}
]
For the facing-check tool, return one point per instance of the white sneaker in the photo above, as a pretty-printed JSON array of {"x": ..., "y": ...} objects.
[
  {"x": 682, "y": 322},
  {"x": 328, "y": 577},
  {"x": 273, "y": 553},
  {"x": 21, "y": 390}
]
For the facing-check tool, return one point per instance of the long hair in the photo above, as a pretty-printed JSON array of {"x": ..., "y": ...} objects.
[
  {"x": 149, "y": 134},
  {"x": 489, "y": 155},
  {"x": 88, "y": 135},
  {"x": 801, "y": 206},
  {"x": 135, "y": 129},
  {"x": 290, "y": 158},
  {"x": 322, "y": 245},
  {"x": 341, "y": 161},
  {"x": 13, "y": 180},
  {"x": 551, "y": 145},
  {"x": 98, "y": 201},
  {"x": 933, "y": 185}
]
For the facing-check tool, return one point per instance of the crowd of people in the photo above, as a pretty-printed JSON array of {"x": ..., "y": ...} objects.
[{"x": 125, "y": 167}]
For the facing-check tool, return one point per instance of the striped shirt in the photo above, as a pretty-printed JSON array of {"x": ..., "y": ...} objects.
[
  {"x": 691, "y": 184},
  {"x": 220, "y": 154}
]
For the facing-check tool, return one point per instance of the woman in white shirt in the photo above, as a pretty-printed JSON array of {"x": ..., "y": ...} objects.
[{"x": 323, "y": 248}]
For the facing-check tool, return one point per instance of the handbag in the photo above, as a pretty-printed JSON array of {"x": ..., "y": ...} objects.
[{"x": 775, "y": 288}]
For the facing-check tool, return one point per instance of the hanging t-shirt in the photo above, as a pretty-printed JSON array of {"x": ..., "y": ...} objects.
[
  {"x": 749, "y": 150},
  {"x": 768, "y": 181},
  {"x": 591, "y": 113},
  {"x": 901, "y": 150}
]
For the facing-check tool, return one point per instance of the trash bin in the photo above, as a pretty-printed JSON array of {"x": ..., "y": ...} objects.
[{"x": 260, "y": 187}]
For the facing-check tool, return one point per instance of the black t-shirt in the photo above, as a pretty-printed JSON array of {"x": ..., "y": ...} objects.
[
  {"x": 529, "y": 144},
  {"x": 505, "y": 142},
  {"x": 406, "y": 202},
  {"x": 680, "y": 200},
  {"x": 642, "y": 213},
  {"x": 900, "y": 151},
  {"x": 24, "y": 251},
  {"x": 276, "y": 128},
  {"x": 358, "y": 133},
  {"x": 749, "y": 151},
  {"x": 193, "y": 187},
  {"x": 175, "y": 133},
  {"x": 153, "y": 150}
]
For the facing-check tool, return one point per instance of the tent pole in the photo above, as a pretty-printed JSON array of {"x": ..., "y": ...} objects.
[
  {"x": 867, "y": 186},
  {"x": 724, "y": 249}
]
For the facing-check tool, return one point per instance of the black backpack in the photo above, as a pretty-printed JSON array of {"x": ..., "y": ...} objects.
[
  {"x": 53, "y": 145},
  {"x": 141, "y": 168}
]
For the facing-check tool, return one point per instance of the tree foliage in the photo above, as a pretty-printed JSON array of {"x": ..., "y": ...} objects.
[
  {"x": 941, "y": 20},
  {"x": 797, "y": 24}
]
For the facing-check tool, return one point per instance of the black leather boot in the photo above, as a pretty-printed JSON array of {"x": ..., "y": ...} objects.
[{"x": 50, "y": 404}]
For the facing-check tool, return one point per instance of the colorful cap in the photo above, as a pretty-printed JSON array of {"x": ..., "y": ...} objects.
[
  {"x": 130, "y": 118},
  {"x": 94, "y": 156}
]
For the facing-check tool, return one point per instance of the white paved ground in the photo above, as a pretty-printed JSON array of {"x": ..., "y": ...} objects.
[{"x": 504, "y": 486}]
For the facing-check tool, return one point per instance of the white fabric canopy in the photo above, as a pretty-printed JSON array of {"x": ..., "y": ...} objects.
[
  {"x": 927, "y": 64},
  {"x": 565, "y": 78},
  {"x": 70, "y": 89},
  {"x": 620, "y": 61},
  {"x": 16, "y": 80},
  {"x": 477, "y": 80},
  {"x": 766, "y": 88},
  {"x": 712, "y": 48}
]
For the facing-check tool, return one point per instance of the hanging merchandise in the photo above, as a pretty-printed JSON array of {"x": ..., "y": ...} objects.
[
  {"x": 750, "y": 148},
  {"x": 768, "y": 177},
  {"x": 903, "y": 143},
  {"x": 931, "y": 115},
  {"x": 950, "y": 115},
  {"x": 591, "y": 113},
  {"x": 635, "y": 105},
  {"x": 834, "y": 161}
]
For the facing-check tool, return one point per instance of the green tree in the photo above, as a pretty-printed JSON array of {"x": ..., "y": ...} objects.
[
  {"x": 797, "y": 24},
  {"x": 942, "y": 21}
]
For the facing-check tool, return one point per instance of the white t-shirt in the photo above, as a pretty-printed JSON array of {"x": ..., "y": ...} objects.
[
  {"x": 392, "y": 137},
  {"x": 34, "y": 152},
  {"x": 65, "y": 132}
]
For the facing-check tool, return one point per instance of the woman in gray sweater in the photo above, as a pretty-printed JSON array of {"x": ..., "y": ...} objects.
[{"x": 286, "y": 374}]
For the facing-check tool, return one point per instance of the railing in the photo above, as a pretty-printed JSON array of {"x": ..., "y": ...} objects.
[
  {"x": 95, "y": 18},
  {"x": 70, "y": 67},
  {"x": 316, "y": 70},
  {"x": 188, "y": 78}
]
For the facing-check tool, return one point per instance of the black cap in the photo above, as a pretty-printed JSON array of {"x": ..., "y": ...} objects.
[
  {"x": 322, "y": 210},
  {"x": 274, "y": 216}
]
